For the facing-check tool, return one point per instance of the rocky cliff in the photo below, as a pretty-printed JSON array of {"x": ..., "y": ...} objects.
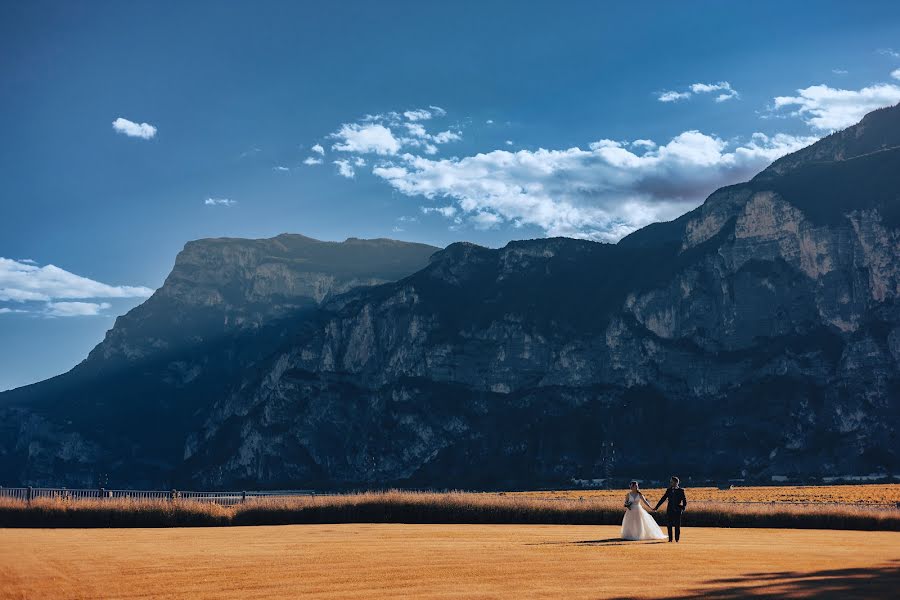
[{"x": 756, "y": 336}]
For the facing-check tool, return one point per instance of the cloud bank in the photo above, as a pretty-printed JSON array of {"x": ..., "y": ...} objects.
[
  {"x": 25, "y": 283},
  {"x": 603, "y": 192}
]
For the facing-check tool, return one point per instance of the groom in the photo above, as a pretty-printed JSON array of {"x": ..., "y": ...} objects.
[{"x": 677, "y": 504}]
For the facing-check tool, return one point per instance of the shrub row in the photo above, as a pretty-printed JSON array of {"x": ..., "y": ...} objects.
[{"x": 424, "y": 507}]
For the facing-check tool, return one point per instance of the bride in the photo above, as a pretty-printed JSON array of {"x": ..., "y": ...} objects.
[{"x": 638, "y": 524}]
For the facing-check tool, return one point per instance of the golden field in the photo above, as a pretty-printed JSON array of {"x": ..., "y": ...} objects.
[
  {"x": 858, "y": 494},
  {"x": 444, "y": 561}
]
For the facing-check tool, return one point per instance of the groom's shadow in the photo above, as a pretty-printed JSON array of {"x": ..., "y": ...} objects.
[{"x": 603, "y": 542}]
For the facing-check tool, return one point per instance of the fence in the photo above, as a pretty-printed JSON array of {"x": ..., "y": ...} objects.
[
  {"x": 883, "y": 505},
  {"x": 28, "y": 494}
]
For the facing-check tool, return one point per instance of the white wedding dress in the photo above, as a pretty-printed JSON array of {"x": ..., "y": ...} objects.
[{"x": 638, "y": 524}]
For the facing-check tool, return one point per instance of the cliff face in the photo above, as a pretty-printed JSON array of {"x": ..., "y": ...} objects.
[
  {"x": 757, "y": 335},
  {"x": 229, "y": 286}
]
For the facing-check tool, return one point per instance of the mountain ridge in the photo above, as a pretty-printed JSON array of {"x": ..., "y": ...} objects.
[{"x": 759, "y": 335}]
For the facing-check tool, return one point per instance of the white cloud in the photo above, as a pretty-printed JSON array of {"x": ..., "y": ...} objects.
[
  {"x": 418, "y": 115},
  {"x": 643, "y": 144},
  {"x": 840, "y": 71},
  {"x": 485, "y": 220},
  {"x": 701, "y": 88},
  {"x": 312, "y": 160},
  {"x": 490, "y": 121},
  {"x": 391, "y": 117},
  {"x": 144, "y": 131},
  {"x": 895, "y": 73},
  {"x": 601, "y": 193},
  {"x": 389, "y": 172},
  {"x": 8, "y": 311},
  {"x": 280, "y": 169},
  {"x": 75, "y": 309},
  {"x": 219, "y": 202},
  {"x": 416, "y": 130},
  {"x": 446, "y": 136},
  {"x": 448, "y": 211},
  {"x": 421, "y": 114},
  {"x": 673, "y": 96},
  {"x": 889, "y": 52},
  {"x": 344, "y": 169},
  {"x": 387, "y": 134},
  {"x": 366, "y": 138},
  {"x": 23, "y": 282},
  {"x": 20, "y": 295},
  {"x": 318, "y": 149},
  {"x": 828, "y": 109},
  {"x": 726, "y": 92}
]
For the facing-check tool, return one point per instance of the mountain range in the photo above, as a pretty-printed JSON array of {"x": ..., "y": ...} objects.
[{"x": 756, "y": 336}]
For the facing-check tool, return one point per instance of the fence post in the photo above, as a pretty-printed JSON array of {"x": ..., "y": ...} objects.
[
  {"x": 30, "y": 494},
  {"x": 243, "y": 497},
  {"x": 174, "y": 494}
]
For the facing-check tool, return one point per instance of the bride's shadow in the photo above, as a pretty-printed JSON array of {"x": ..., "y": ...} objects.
[{"x": 604, "y": 542}]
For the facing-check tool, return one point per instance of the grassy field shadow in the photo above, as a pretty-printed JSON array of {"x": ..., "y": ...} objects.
[
  {"x": 834, "y": 584},
  {"x": 615, "y": 541}
]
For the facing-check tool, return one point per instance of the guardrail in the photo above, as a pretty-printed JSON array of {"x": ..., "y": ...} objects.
[{"x": 27, "y": 494}]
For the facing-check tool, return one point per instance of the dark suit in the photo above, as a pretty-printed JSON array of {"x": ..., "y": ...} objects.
[{"x": 677, "y": 504}]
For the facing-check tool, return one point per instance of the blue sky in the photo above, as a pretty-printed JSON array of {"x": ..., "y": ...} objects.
[{"x": 472, "y": 121}]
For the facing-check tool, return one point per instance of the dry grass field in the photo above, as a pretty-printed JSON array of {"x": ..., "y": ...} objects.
[
  {"x": 444, "y": 561},
  {"x": 394, "y": 506},
  {"x": 877, "y": 493}
]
